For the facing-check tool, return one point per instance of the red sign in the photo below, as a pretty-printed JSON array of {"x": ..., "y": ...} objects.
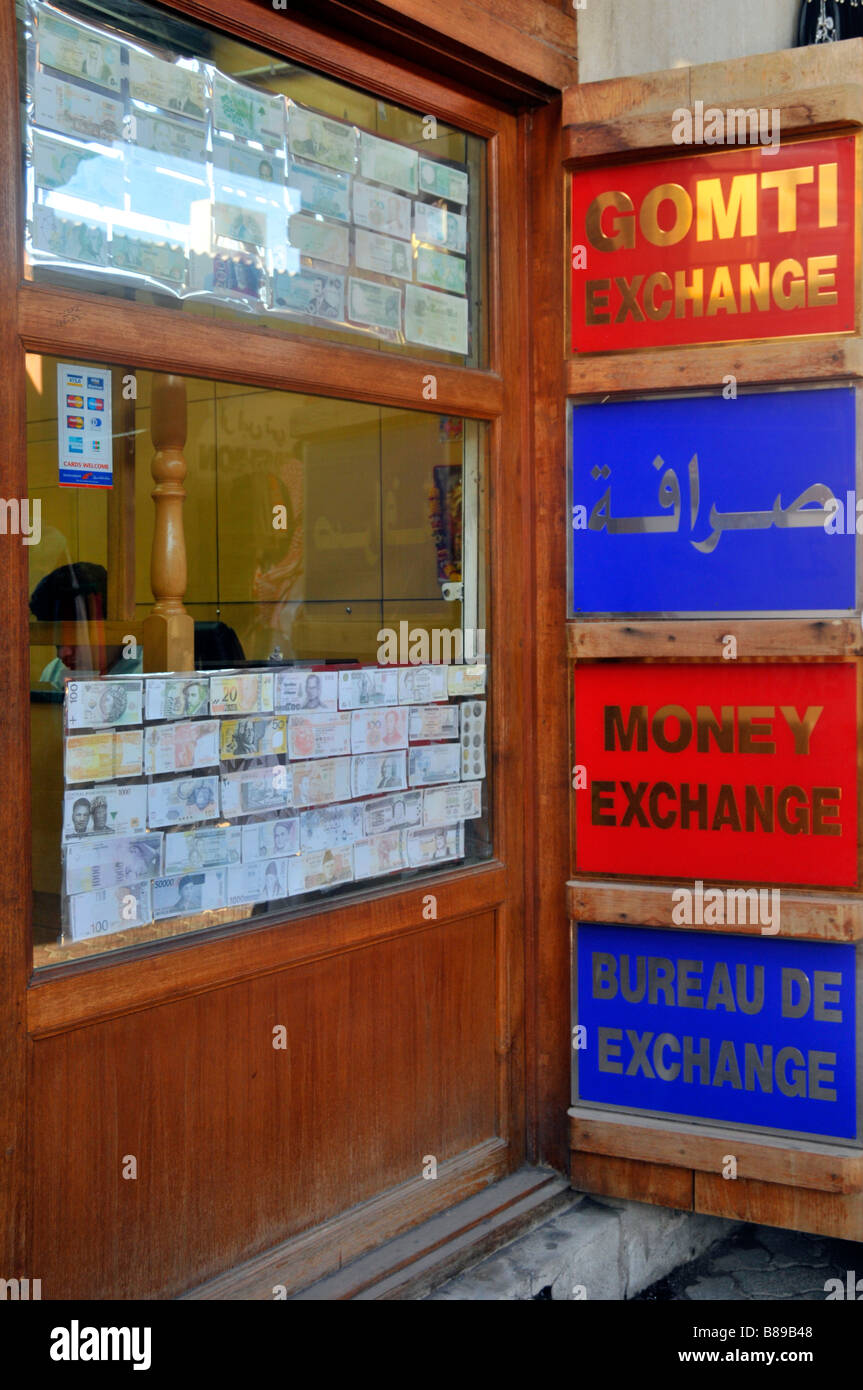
[
  {"x": 709, "y": 248},
  {"x": 739, "y": 772}
]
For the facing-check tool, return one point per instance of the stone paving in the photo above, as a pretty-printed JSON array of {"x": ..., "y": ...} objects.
[{"x": 767, "y": 1264}]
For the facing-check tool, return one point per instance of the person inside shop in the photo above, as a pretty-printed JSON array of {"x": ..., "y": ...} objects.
[{"x": 77, "y": 593}]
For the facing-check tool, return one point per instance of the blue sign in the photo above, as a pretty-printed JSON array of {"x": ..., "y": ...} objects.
[
  {"x": 707, "y": 505},
  {"x": 739, "y": 1030}
]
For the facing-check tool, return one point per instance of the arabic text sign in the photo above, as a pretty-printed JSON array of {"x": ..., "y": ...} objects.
[
  {"x": 84, "y": 436},
  {"x": 746, "y": 773},
  {"x": 709, "y": 248},
  {"x": 733, "y": 1029},
  {"x": 707, "y": 505}
]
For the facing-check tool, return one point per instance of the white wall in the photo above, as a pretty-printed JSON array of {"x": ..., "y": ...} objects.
[{"x": 618, "y": 38}]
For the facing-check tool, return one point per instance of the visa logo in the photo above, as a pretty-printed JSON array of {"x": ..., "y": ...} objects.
[{"x": 74, "y": 380}]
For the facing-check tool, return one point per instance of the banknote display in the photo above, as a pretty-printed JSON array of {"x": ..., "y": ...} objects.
[
  {"x": 325, "y": 826},
  {"x": 271, "y": 839},
  {"x": 430, "y": 722},
  {"x": 103, "y": 757},
  {"x": 235, "y": 276},
  {"x": 422, "y": 685},
  {"x": 320, "y": 869},
  {"x": 183, "y": 801},
  {"x": 77, "y": 49},
  {"x": 156, "y": 82},
  {"x": 444, "y": 805},
  {"x": 383, "y": 254},
  {"x": 98, "y": 704},
  {"x": 160, "y": 260},
  {"x": 443, "y": 271},
  {"x": 328, "y": 194},
  {"x": 109, "y": 910},
  {"x": 443, "y": 182},
  {"x": 379, "y": 306},
  {"x": 320, "y": 782},
  {"x": 378, "y": 772},
  {"x": 183, "y": 894},
  {"x": 472, "y": 739},
  {"x": 380, "y": 854},
  {"x": 440, "y": 227},
  {"x": 368, "y": 686},
  {"x": 74, "y": 110},
  {"x": 306, "y": 690},
  {"x": 239, "y": 694},
  {"x": 310, "y": 292},
  {"x": 433, "y": 763},
  {"x": 248, "y": 112},
  {"x": 315, "y": 137},
  {"x": 433, "y": 845},
  {"x": 384, "y": 161},
  {"x": 259, "y": 789},
  {"x": 465, "y": 680},
  {"x": 376, "y": 730},
  {"x": 265, "y": 881},
  {"x": 80, "y": 171},
  {"x": 185, "y": 145},
  {"x": 111, "y": 860},
  {"x": 320, "y": 734},
  {"x": 323, "y": 241},
  {"x": 177, "y": 699},
  {"x": 167, "y": 193},
  {"x": 392, "y": 812},
  {"x": 69, "y": 239},
  {"x": 240, "y": 223},
  {"x": 382, "y": 211},
  {"x": 253, "y": 738},
  {"x": 435, "y": 320},
  {"x": 179, "y": 747},
  {"x": 216, "y": 848},
  {"x": 120, "y": 810}
]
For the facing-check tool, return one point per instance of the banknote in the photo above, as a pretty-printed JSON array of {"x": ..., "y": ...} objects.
[
  {"x": 248, "y": 112},
  {"x": 319, "y": 734},
  {"x": 444, "y": 271},
  {"x": 141, "y": 255},
  {"x": 433, "y": 845},
  {"x": 383, "y": 254},
  {"x": 253, "y": 738},
  {"x": 102, "y": 757},
  {"x": 237, "y": 275},
  {"x": 444, "y": 805},
  {"x": 385, "y": 161},
  {"x": 241, "y": 694},
  {"x": 326, "y": 826},
  {"x": 177, "y": 699},
  {"x": 368, "y": 686},
  {"x": 441, "y": 181},
  {"x": 262, "y": 175},
  {"x": 74, "y": 110},
  {"x": 372, "y": 303},
  {"x": 111, "y": 860},
  {"x": 183, "y": 801},
  {"x": 377, "y": 772},
  {"x": 240, "y": 223},
  {"x": 323, "y": 241},
  {"x": 69, "y": 238},
  {"x": 271, "y": 839},
  {"x": 436, "y": 320},
  {"x": 322, "y": 868},
  {"x": 315, "y": 137},
  {"x": 306, "y": 690},
  {"x": 107, "y": 910},
  {"x": 429, "y": 722},
  {"x": 185, "y": 145},
  {"x": 77, "y": 49},
  {"x": 422, "y": 685},
  {"x": 98, "y": 704},
  {"x": 174, "y": 87},
  {"x": 327, "y": 193},
  {"x": 440, "y": 227},
  {"x": 392, "y": 812},
  {"x": 472, "y": 739},
  {"x": 117, "y": 810},
  {"x": 380, "y": 854},
  {"x": 214, "y": 848},
  {"x": 433, "y": 763},
  {"x": 376, "y": 730},
  {"x": 319, "y": 782},
  {"x": 465, "y": 680},
  {"x": 179, "y": 747},
  {"x": 94, "y": 175},
  {"x": 182, "y": 894},
  {"x": 310, "y": 292},
  {"x": 258, "y": 789},
  {"x": 262, "y": 882},
  {"x": 382, "y": 211}
]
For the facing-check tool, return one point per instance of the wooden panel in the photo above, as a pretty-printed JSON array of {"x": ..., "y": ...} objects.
[
  {"x": 771, "y": 1160},
  {"x": 656, "y": 1183},
  {"x": 702, "y": 639},
  {"x": 391, "y": 1056},
  {"x": 814, "y": 917},
  {"x": 768, "y": 1204}
]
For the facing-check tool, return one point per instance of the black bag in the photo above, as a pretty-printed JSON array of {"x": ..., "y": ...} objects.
[{"x": 821, "y": 21}]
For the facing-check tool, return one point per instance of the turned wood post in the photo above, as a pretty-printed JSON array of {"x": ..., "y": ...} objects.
[{"x": 169, "y": 631}]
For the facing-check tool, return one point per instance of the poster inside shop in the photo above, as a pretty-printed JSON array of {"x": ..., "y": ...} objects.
[{"x": 84, "y": 435}]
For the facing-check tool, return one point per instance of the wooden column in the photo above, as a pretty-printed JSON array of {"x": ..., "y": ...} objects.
[{"x": 169, "y": 631}]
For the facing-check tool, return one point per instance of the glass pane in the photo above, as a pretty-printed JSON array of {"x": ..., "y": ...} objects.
[
  {"x": 169, "y": 164},
  {"x": 309, "y": 716}
]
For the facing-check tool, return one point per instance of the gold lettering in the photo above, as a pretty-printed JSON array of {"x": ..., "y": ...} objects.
[
  {"x": 684, "y": 734},
  {"x": 786, "y": 182},
  {"x": 749, "y": 718},
  {"x": 706, "y": 724},
  {"x": 799, "y": 824},
  {"x": 682, "y": 292},
  {"x": 822, "y": 802},
  {"x": 721, "y": 293},
  {"x": 623, "y": 233},
  {"x": 742, "y": 207},
  {"x": 660, "y": 281},
  {"x": 828, "y": 195},
  {"x": 821, "y": 276},
  {"x": 597, "y": 311},
  {"x": 758, "y": 289},
  {"x": 649, "y": 219},
  {"x": 795, "y": 296},
  {"x": 762, "y": 807},
  {"x": 802, "y": 728}
]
